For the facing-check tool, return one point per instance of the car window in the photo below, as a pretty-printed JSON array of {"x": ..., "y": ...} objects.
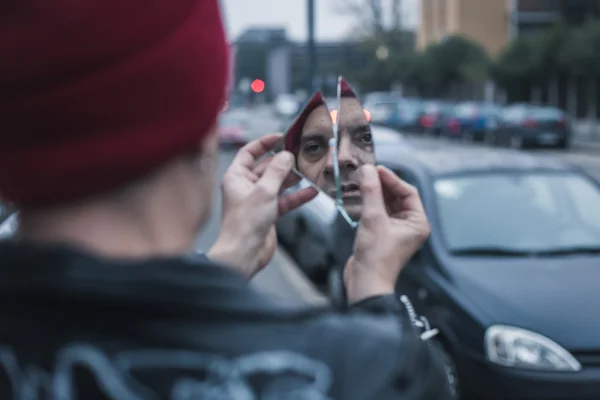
[
  {"x": 466, "y": 110},
  {"x": 546, "y": 113},
  {"x": 514, "y": 114},
  {"x": 534, "y": 212}
]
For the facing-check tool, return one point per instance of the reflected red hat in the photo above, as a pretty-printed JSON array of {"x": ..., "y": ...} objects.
[
  {"x": 294, "y": 132},
  {"x": 96, "y": 93},
  {"x": 346, "y": 90}
]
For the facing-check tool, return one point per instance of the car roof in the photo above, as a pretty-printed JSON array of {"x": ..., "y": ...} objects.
[{"x": 439, "y": 159}]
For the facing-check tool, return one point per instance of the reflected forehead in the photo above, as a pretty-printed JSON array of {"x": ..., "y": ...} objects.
[
  {"x": 318, "y": 119},
  {"x": 351, "y": 112}
]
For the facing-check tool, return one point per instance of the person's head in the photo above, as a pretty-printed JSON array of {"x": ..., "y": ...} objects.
[
  {"x": 355, "y": 148},
  {"x": 108, "y": 115}
]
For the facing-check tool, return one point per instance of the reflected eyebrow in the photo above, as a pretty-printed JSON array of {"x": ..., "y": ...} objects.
[
  {"x": 313, "y": 136},
  {"x": 360, "y": 127}
]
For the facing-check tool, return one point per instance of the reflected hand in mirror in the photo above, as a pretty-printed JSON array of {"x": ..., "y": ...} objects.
[{"x": 355, "y": 147}]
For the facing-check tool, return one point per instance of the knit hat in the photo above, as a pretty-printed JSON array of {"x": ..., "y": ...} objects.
[{"x": 97, "y": 93}]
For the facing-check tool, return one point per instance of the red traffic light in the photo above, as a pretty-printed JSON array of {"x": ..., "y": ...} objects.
[{"x": 257, "y": 86}]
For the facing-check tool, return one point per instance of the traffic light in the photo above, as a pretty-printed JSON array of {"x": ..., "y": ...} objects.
[{"x": 257, "y": 86}]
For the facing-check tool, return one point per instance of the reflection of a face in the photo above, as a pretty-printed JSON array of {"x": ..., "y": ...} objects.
[{"x": 315, "y": 160}]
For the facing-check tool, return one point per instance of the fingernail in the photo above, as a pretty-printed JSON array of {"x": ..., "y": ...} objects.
[{"x": 285, "y": 159}]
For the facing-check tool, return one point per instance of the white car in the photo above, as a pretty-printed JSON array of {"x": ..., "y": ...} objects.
[{"x": 286, "y": 105}]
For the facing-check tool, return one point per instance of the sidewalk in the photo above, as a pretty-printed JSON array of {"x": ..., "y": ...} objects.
[{"x": 584, "y": 139}]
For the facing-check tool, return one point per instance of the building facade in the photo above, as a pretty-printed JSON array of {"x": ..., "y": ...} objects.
[
  {"x": 483, "y": 21},
  {"x": 493, "y": 23}
]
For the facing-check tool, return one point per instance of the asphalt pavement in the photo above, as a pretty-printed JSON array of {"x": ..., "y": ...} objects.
[{"x": 588, "y": 158}]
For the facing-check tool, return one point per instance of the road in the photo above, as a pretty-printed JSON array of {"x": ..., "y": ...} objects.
[
  {"x": 281, "y": 279},
  {"x": 588, "y": 159}
]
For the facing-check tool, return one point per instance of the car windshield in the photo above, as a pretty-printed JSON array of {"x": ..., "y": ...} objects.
[
  {"x": 546, "y": 113},
  {"x": 532, "y": 212}
]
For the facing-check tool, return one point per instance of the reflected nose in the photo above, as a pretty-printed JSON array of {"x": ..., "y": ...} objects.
[{"x": 346, "y": 160}]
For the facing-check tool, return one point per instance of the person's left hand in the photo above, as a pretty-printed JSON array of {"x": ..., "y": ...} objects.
[{"x": 252, "y": 203}]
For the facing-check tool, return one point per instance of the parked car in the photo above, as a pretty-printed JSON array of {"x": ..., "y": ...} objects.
[
  {"x": 431, "y": 118},
  {"x": 525, "y": 125},
  {"x": 470, "y": 121},
  {"x": 510, "y": 272},
  {"x": 369, "y": 99},
  {"x": 233, "y": 130},
  {"x": 286, "y": 105},
  {"x": 400, "y": 114}
]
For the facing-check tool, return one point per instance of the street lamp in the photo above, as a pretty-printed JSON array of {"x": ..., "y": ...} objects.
[{"x": 382, "y": 53}]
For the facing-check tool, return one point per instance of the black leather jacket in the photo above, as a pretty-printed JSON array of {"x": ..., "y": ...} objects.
[{"x": 75, "y": 326}]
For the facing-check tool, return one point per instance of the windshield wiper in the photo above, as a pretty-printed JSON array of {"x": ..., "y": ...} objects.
[
  {"x": 571, "y": 250},
  {"x": 492, "y": 252}
]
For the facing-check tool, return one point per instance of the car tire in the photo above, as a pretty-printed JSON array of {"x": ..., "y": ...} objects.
[
  {"x": 516, "y": 142},
  {"x": 450, "y": 369},
  {"x": 468, "y": 136},
  {"x": 489, "y": 139},
  {"x": 563, "y": 144}
]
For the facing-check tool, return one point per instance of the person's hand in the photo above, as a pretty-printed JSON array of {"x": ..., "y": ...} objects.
[
  {"x": 252, "y": 203},
  {"x": 392, "y": 228}
]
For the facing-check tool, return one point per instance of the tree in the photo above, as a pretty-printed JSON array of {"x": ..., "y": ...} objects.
[
  {"x": 370, "y": 15},
  {"x": 581, "y": 57},
  {"x": 546, "y": 61},
  {"x": 454, "y": 61},
  {"x": 515, "y": 68},
  {"x": 580, "y": 54}
]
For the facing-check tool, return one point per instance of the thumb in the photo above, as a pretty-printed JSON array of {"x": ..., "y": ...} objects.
[
  {"x": 372, "y": 195},
  {"x": 275, "y": 173}
]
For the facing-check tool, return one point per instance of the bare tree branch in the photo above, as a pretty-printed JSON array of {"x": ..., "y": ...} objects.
[{"x": 370, "y": 14}]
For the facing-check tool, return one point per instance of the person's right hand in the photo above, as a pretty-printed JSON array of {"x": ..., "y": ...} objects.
[
  {"x": 252, "y": 201},
  {"x": 392, "y": 228}
]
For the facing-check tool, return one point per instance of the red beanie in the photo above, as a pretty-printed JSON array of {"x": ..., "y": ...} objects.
[{"x": 97, "y": 93}]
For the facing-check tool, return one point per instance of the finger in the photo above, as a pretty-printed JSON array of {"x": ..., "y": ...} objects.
[
  {"x": 260, "y": 167},
  {"x": 291, "y": 180},
  {"x": 372, "y": 194},
  {"x": 275, "y": 174},
  {"x": 292, "y": 201},
  {"x": 252, "y": 151},
  {"x": 404, "y": 193}
]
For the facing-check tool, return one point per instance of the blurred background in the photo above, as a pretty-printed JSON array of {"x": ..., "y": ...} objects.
[{"x": 490, "y": 108}]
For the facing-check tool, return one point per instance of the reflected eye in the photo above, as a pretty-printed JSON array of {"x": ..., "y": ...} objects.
[
  {"x": 314, "y": 148},
  {"x": 366, "y": 138}
]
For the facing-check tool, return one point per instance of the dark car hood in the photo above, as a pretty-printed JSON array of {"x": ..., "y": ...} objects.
[{"x": 555, "y": 296}]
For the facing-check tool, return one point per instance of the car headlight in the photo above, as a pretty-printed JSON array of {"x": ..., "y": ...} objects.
[{"x": 515, "y": 347}]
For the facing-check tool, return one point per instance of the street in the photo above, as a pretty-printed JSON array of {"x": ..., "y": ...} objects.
[
  {"x": 282, "y": 279},
  {"x": 588, "y": 159}
]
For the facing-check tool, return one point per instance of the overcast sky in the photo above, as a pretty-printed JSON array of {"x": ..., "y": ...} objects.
[{"x": 331, "y": 23}]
